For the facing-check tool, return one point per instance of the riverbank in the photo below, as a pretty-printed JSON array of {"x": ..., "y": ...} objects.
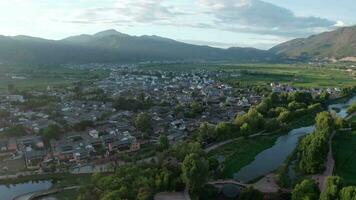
[
  {"x": 270, "y": 159},
  {"x": 288, "y": 175},
  {"x": 44, "y": 193},
  {"x": 248, "y": 148},
  {"x": 26, "y": 187}
]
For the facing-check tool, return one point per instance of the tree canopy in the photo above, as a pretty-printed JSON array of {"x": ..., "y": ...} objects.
[
  {"x": 195, "y": 170},
  {"x": 306, "y": 190}
]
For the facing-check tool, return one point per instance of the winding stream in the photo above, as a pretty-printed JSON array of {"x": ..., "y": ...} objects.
[{"x": 270, "y": 159}]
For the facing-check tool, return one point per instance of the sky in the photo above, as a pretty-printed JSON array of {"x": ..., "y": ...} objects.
[{"x": 220, "y": 23}]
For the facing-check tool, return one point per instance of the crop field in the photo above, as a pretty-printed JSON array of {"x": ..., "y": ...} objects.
[
  {"x": 300, "y": 75},
  {"x": 39, "y": 77}
]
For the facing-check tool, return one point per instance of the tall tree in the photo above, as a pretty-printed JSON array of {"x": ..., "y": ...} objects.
[
  {"x": 163, "y": 143},
  {"x": 143, "y": 122},
  {"x": 195, "y": 170},
  {"x": 306, "y": 190},
  {"x": 348, "y": 193},
  {"x": 334, "y": 185}
]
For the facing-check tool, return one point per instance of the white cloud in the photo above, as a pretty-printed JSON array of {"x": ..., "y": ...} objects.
[
  {"x": 257, "y": 16},
  {"x": 249, "y": 16},
  {"x": 128, "y": 11},
  {"x": 340, "y": 24}
]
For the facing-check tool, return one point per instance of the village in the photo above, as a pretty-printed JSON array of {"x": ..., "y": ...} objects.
[{"x": 58, "y": 129}]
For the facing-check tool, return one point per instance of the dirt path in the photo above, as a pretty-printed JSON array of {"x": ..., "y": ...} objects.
[
  {"x": 267, "y": 184},
  {"x": 217, "y": 145}
]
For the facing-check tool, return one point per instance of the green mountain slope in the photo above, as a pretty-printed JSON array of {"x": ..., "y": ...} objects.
[{"x": 337, "y": 44}]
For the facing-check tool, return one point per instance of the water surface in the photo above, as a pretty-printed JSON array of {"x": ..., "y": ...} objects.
[{"x": 8, "y": 192}]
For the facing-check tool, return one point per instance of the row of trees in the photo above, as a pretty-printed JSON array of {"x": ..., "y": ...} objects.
[
  {"x": 274, "y": 112},
  {"x": 335, "y": 190},
  {"x": 177, "y": 167},
  {"x": 348, "y": 91},
  {"x": 313, "y": 149},
  {"x": 139, "y": 182}
]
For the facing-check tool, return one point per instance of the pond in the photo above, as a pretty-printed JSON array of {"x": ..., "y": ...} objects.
[
  {"x": 270, "y": 159},
  {"x": 9, "y": 192}
]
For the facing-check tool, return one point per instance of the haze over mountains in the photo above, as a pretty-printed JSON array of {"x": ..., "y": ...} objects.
[{"x": 111, "y": 46}]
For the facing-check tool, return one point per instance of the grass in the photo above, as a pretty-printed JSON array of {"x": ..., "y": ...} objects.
[
  {"x": 239, "y": 153},
  {"x": 39, "y": 77},
  {"x": 344, "y": 146}
]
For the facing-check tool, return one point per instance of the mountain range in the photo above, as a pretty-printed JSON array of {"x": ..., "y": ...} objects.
[
  {"x": 112, "y": 46},
  {"x": 338, "y": 44}
]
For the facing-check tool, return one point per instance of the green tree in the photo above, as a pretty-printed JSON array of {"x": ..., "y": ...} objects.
[
  {"x": 351, "y": 109},
  {"x": 53, "y": 131},
  {"x": 272, "y": 125},
  {"x": 324, "y": 122},
  {"x": 195, "y": 170},
  {"x": 300, "y": 97},
  {"x": 306, "y": 190},
  {"x": 183, "y": 149},
  {"x": 143, "y": 122},
  {"x": 253, "y": 118},
  {"x": 292, "y": 106},
  {"x": 285, "y": 117},
  {"x": 163, "y": 143},
  {"x": 312, "y": 152},
  {"x": 334, "y": 185},
  {"x": 324, "y": 97},
  {"x": 196, "y": 108},
  {"x": 224, "y": 130},
  {"x": 145, "y": 193},
  {"x": 348, "y": 193},
  {"x": 206, "y": 132},
  {"x": 264, "y": 106},
  {"x": 245, "y": 130}
]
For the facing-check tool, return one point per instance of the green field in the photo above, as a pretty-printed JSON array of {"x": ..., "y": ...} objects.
[
  {"x": 344, "y": 146},
  {"x": 300, "y": 75},
  {"x": 39, "y": 77},
  {"x": 239, "y": 153}
]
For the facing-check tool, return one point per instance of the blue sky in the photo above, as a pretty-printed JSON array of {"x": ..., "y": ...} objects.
[{"x": 221, "y": 23}]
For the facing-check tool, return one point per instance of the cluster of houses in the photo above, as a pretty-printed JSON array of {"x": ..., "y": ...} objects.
[
  {"x": 168, "y": 90},
  {"x": 280, "y": 87},
  {"x": 171, "y": 97},
  {"x": 30, "y": 152}
]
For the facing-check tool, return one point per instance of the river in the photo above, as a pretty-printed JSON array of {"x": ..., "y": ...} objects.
[
  {"x": 270, "y": 159},
  {"x": 8, "y": 192}
]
